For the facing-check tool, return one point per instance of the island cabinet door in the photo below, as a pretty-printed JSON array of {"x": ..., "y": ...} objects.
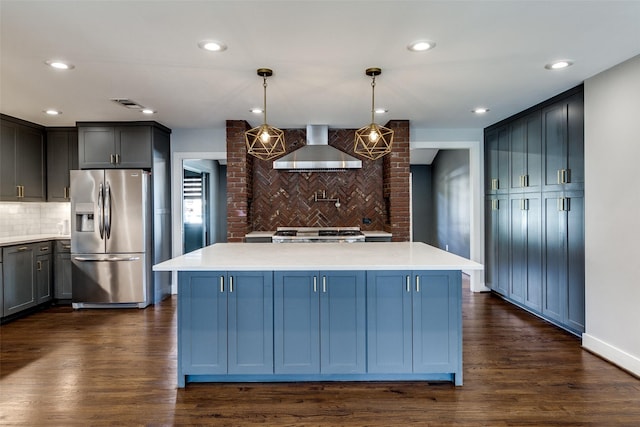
[
  {"x": 250, "y": 305},
  {"x": 389, "y": 322},
  {"x": 437, "y": 331},
  {"x": 342, "y": 322},
  {"x": 296, "y": 322},
  {"x": 202, "y": 323}
]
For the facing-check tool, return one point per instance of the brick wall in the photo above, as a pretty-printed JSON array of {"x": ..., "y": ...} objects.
[
  {"x": 261, "y": 198},
  {"x": 396, "y": 182}
]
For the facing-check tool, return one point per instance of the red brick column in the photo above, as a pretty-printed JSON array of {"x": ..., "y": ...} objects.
[
  {"x": 396, "y": 182},
  {"x": 239, "y": 182}
]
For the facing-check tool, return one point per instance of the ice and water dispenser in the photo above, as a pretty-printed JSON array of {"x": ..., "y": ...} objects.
[{"x": 84, "y": 217}]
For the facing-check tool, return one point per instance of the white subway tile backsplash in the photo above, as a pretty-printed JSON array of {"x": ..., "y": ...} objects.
[{"x": 22, "y": 219}]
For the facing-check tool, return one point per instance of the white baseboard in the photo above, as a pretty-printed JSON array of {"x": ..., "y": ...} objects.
[{"x": 613, "y": 354}]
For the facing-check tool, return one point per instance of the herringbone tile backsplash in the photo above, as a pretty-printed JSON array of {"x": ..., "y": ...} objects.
[{"x": 282, "y": 198}]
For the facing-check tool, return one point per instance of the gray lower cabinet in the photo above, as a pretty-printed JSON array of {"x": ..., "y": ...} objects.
[
  {"x": 44, "y": 273},
  {"x": 19, "y": 279},
  {"x": 563, "y": 282},
  {"x": 26, "y": 276},
  {"x": 62, "y": 270}
]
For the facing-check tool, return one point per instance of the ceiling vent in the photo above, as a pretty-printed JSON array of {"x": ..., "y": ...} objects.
[{"x": 127, "y": 103}]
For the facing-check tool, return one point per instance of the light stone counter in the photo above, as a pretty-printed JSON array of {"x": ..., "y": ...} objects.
[
  {"x": 20, "y": 240},
  {"x": 317, "y": 256}
]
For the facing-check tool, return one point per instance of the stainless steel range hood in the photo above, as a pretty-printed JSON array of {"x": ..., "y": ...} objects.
[{"x": 317, "y": 154}]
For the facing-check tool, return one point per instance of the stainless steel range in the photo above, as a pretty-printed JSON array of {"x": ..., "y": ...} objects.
[{"x": 318, "y": 235}]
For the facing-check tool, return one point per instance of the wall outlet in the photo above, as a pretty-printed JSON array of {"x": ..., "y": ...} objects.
[{"x": 366, "y": 220}]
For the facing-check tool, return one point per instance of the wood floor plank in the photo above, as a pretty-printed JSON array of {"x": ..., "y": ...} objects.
[{"x": 62, "y": 367}]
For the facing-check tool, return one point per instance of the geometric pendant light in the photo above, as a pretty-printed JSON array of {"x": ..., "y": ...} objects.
[
  {"x": 265, "y": 142},
  {"x": 373, "y": 141}
]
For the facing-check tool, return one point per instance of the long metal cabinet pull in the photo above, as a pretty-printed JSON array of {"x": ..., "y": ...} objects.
[
  {"x": 39, "y": 265},
  {"x": 101, "y": 210},
  {"x": 22, "y": 248},
  {"x": 408, "y": 283},
  {"x": 315, "y": 284},
  {"x": 324, "y": 284},
  {"x": 417, "y": 283},
  {"x": 230, "y": 284},
  {"x": 221, "y": 284}
]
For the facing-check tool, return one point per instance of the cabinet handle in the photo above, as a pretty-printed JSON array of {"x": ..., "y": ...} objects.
[
  {"x": 324, "y": 284},
  {"x": 117, "y": 159},
  {"x": 111, "y": 159},
  {"x": 39, "y": 265},
  {"x": 525, "y": 180},
  {"x": 565, "y": 176},
  {"x": 417, "y": 283},
  {"x": 22, "y": 248},
  {"x": 524, "y": 204},
  {"x": 66, "y": 246},
  {"x": 20, "y": 191},
  {"x": 495, "y": 184},
  {"x": 221, "y": 284},
  {"x": 66, "y": 192},
  {"x": 495, "y": 205},
  {"x": 315, "y": 284},
  {"x": 408, "y": 283},
  {"x": 44, "y": 248},
  {"x": 230, "y": 284},
  {"x": 563, "y": 204}
]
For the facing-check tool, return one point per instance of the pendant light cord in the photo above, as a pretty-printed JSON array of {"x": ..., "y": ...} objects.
[
  {"x": 264, "y": 85},
  {"x": 373, "y": 97}
]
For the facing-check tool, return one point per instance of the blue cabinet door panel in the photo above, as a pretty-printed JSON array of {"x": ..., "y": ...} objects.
[
  {"x": 343, "y": 322},
  {"x": 296, "y": 322},
  {"x": 437, "y": 331},
  {"x": 202, "y": 317},
  {"x": 250, "y": 305},
  {"x": 389, "y": 330}
]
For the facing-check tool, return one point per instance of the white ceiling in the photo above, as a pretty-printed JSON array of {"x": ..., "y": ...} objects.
[{"x": 489, "y": 53}]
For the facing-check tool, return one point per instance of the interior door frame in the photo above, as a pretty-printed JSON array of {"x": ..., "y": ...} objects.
[
  {"x": 476, "y": 182},
  {"x": 177, "y": 164}
]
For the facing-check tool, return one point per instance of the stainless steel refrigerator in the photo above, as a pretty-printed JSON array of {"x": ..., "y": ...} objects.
[{"x": 111, "y": 238}]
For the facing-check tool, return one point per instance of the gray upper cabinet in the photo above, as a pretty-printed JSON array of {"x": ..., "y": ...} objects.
[
  {"x": 497, "y": 160},
  {"x": 22, "y": 161},
  {"x": 62, "y": 156},
  {"x": 563, "y": 124},
  {"x": 117, "y": 145},
  {"x": 526, "y": 153}
]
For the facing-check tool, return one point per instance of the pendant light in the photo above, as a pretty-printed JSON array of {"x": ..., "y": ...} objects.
[
  {"x": 373, "y": 141},
  {"x": 265, "y": 142}
]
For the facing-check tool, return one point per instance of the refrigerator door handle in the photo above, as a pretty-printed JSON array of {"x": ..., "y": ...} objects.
[
  {"x": 107, "y": 210},
  {"x": 103, "y": 259},
  {"x": 101, "y": 210}
]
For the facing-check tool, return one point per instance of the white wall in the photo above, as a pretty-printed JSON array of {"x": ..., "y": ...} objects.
[{"x": 612, "y": 214}]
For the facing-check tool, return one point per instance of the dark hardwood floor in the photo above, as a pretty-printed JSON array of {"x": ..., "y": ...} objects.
[{"x": 62, "y": 367}]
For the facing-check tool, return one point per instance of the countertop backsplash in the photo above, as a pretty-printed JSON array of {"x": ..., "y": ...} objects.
[{"x": 23, "y": 219}]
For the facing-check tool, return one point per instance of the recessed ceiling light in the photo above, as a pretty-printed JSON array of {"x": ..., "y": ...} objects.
[
  {"x": 559, "y": 65},
  {"x": 59, "y": 65},
  {"x": 53, "y": 112},
  {"x": 480, "y": 110},
  {"x": 421, "y": 45},
  {"x": 381, "y": 110},
  {"x": 256, "y": 110},
  {"x": 147, "y": 111},
  {"x": 212, "y": 45}
]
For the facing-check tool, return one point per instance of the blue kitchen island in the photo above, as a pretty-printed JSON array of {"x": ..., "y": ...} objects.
[{"x": 268, "y": 312}]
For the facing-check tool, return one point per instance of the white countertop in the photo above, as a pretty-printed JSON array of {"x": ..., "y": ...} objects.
[
  {"x": 20, "y": 240},
  {"x": 317, "y": 256},
  {"x": 372, "y": 233}
]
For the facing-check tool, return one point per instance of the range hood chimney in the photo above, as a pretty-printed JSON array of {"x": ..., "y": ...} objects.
[{"x": 317, "y": 154}]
